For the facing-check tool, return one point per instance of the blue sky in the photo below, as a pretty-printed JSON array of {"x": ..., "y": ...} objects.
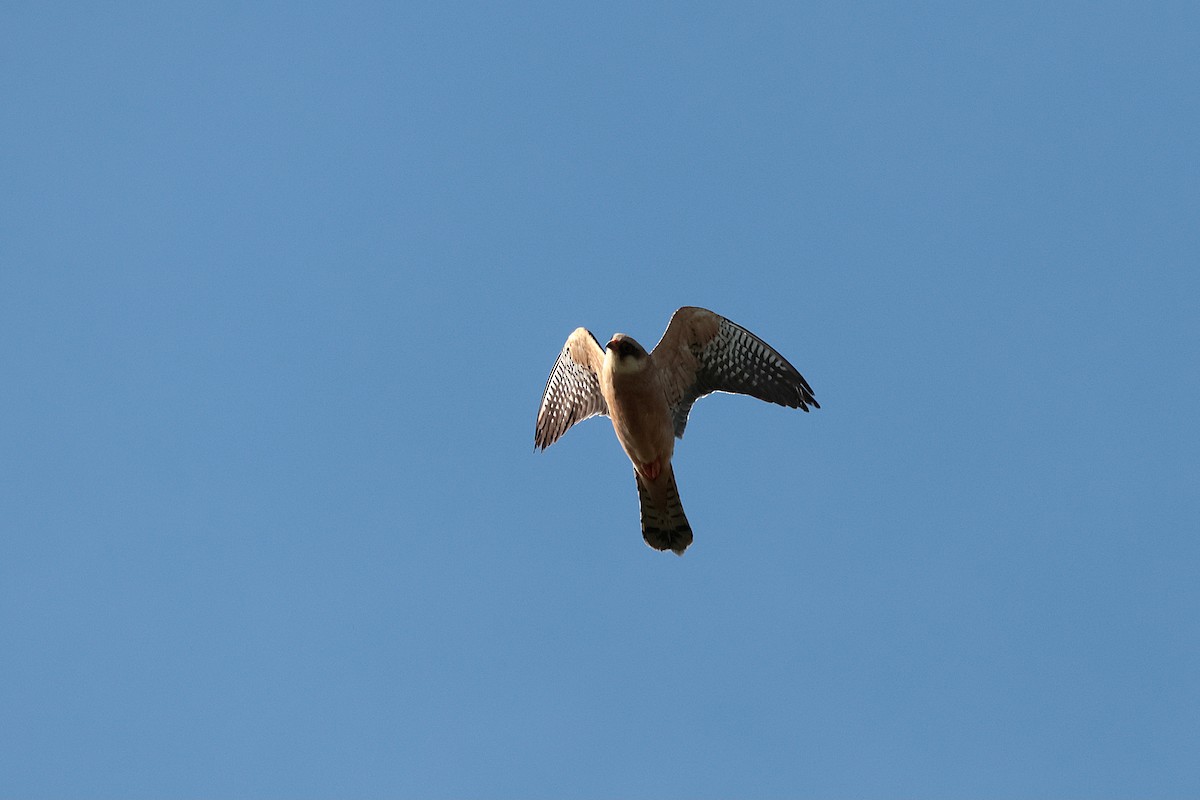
[{"x": 280, "y": 287}]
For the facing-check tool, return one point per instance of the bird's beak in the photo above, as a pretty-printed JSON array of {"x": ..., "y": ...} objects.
[{"x": 611, "y": 342}]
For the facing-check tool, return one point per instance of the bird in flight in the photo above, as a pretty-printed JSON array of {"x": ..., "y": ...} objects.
[{"x": 648, "y": 396}]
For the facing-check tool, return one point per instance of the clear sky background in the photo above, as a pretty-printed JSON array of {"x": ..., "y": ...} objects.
[{"x": 280, "y": 287}]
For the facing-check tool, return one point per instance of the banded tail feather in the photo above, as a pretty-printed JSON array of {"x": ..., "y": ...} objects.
[{"x": 664, "y": 525}]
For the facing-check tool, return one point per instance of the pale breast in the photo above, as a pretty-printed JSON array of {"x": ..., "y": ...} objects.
[{"x": 640, "y": 416}]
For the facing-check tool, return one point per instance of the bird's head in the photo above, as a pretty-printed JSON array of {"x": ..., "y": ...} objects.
[{"x": 625, "y": 353}]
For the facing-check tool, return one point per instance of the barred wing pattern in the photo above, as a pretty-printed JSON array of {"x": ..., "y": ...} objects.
[
  {"x": 573, "y": 389},
  {"x": 702, "y": 352}
]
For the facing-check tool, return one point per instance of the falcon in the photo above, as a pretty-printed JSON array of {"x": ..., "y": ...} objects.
[{"x": 648, "y": 397}]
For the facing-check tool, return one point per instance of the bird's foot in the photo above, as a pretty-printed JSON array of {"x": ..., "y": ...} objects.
[{"x": 652, "y": 469}]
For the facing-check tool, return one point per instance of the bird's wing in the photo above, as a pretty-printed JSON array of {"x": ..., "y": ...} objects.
[
  {"x": 702, "y": 352},
  {"x": 573, "y": 390}
]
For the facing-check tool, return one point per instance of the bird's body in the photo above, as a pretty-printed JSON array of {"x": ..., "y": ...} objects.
[
  {"x": 633, "y": 390},
  {"x": 638, "y": 406},
  {"x": 648, "y": 397}
]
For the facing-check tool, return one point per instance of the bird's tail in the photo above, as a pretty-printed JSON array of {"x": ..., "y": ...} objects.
[{"x": 664, "y": 526}]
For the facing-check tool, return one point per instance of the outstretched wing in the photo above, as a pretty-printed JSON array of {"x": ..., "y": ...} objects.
[
  {"x": 573, "y": 390},
  {"x": 702, "y": 352}
]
